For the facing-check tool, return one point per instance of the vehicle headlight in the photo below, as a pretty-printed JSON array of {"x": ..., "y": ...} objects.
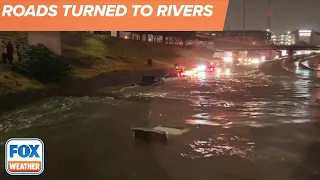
[
  {"x": 227, "y": 59},
  {"x": 187, "y": 73},
  {"x": 263, "y": 58},
  {"x": 255, "y": 61},
  {"x": 201, "y": 68}
]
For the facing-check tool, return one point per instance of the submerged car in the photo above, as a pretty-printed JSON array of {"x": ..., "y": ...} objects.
[{"x": 150, "y": 81}]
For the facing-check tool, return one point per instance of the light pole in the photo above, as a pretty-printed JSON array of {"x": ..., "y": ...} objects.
[{"x": 268, "y": 23}]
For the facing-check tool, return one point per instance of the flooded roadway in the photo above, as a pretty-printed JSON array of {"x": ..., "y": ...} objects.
[{"x": 243, "y": 126}]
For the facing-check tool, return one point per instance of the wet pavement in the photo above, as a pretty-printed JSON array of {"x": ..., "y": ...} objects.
[{"x": 243, "y": 125}]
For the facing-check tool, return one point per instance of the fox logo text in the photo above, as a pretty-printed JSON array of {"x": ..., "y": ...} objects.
[{"x": 24, "y": 156}]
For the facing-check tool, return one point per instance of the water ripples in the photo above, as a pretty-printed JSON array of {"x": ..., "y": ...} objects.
[
  {"x": 41, "y": 114},
  {"x": 249, "y": 100},
  {"x": 224, "y": 145}
]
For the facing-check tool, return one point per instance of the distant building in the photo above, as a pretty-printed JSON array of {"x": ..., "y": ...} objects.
[
  {"x": 283, "y": 39},
  {"x": 306, "y": 36},
  {"x": 297, "y": 37}
]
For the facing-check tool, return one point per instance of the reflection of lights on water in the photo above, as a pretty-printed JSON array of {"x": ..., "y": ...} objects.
[
  {"x": 300, "y": 71},
  {"x": 202, "y": 75},
  {"x": 202, "y": 115},
  {"x": 222, "y": 145},
  {"x": 297, "y": 121},
  {"x": 227, "y": 71},
  {"x": 202, "y": 122}
]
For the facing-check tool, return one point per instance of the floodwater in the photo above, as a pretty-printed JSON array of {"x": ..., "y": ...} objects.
[{"x": 243, "y": 125}]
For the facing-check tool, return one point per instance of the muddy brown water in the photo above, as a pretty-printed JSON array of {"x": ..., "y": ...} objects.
[{"x": 243, "y": 125}]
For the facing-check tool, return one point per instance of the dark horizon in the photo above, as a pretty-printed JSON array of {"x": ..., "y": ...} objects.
[{"x": 287, "y": 15}]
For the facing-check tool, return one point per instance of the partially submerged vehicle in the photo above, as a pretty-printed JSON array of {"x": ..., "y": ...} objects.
[
  {"x": 159, "y": 134},
  {"x": 150, "y": 135},
  {"x": 150, "y": 81}
]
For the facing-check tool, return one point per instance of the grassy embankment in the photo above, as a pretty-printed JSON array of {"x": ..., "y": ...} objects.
[{"x": 92, "y": 55}]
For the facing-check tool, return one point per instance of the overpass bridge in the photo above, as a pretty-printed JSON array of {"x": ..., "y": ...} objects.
[
  {"x": 229, "y": 45},
  {"x": 240, "y": 45},
  {"x": 269, "y": 47},
  {"x": 52, "y": 39},
  {"x": 290, "y": 49}
]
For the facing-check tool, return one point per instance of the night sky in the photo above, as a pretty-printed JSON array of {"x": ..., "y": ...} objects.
[{"x": 286, "y": 15}]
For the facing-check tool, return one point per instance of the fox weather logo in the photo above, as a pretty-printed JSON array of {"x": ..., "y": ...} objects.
[{"x": 24, "y": 156}]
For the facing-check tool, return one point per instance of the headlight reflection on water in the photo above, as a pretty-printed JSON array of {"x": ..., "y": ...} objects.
[
  {"x": 202, "y": 75},
  {"x": 226, "y": 72},
  {"x": 220, "y": 146}
]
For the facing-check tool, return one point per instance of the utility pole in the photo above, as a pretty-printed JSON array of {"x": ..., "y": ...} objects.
[
  {"x": 244, "y": 16},
  {"x": 268, "y": 23}
]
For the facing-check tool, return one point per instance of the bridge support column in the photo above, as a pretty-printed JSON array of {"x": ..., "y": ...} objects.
[
  {"x": 50, "y": 39},
  {"x": 290, "y": 55}
]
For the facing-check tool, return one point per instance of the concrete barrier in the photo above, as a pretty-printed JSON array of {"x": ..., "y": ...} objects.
[{"x": 305, "y": 63}]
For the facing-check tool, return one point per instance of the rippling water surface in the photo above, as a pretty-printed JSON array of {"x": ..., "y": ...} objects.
[{"x": 244, "y": 125}]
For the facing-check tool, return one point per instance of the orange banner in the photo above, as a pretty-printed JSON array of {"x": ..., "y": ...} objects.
[{"x": 113, "y": 15}]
